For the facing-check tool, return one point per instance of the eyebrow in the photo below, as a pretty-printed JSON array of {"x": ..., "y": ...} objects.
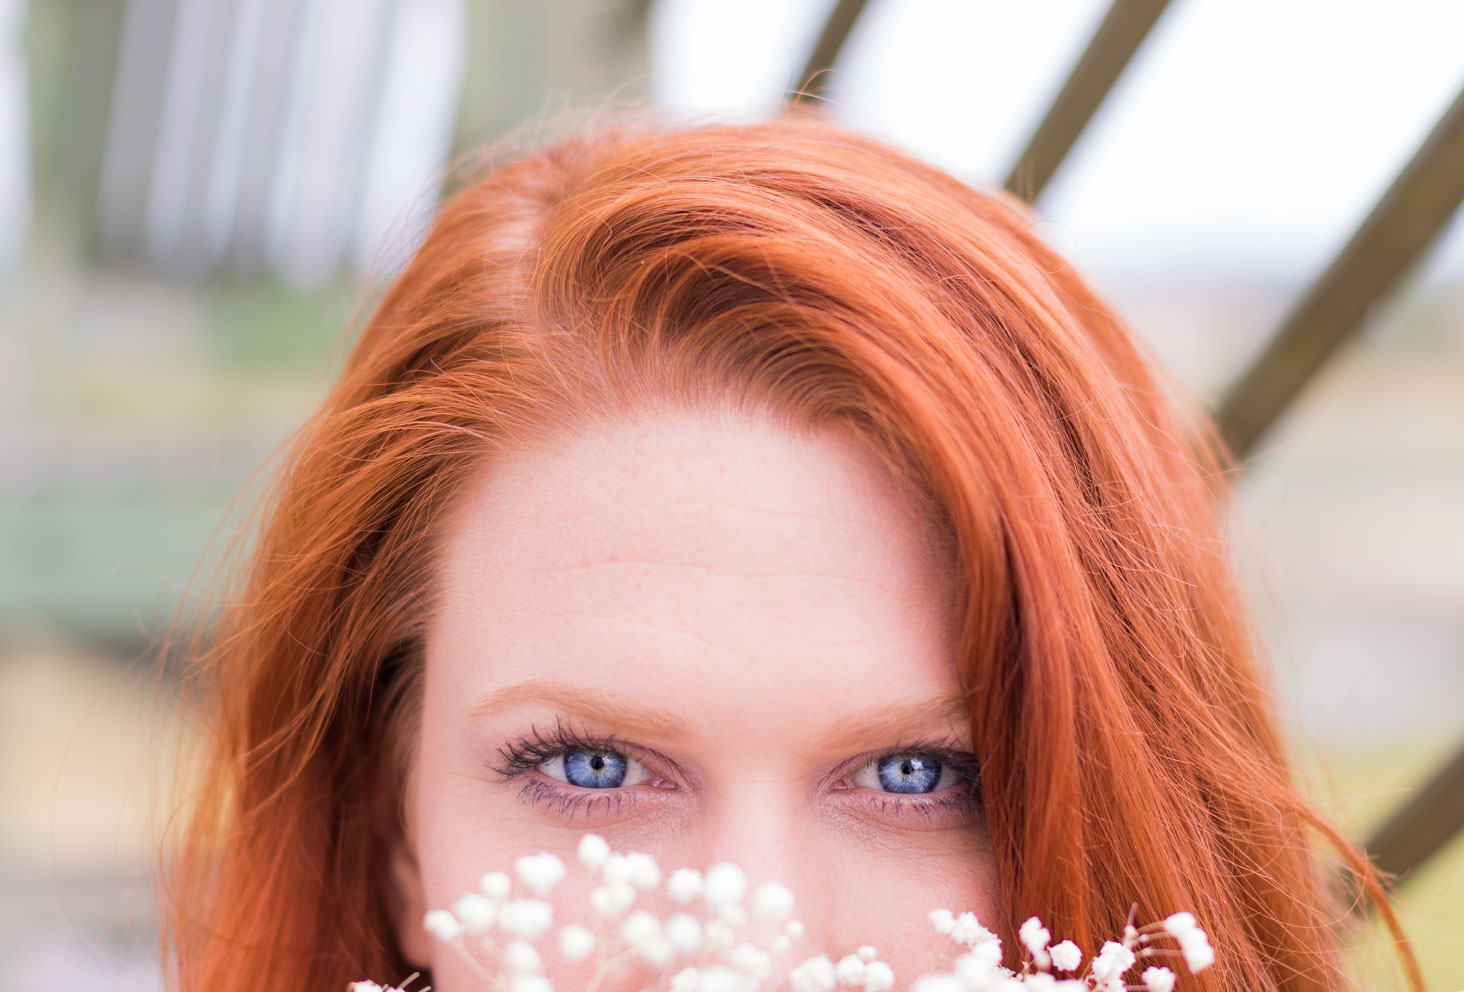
[{"x": 875, "y": 725}]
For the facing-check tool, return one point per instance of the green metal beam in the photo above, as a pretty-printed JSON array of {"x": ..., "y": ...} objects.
[
  {"x": 813, "y": 82},
  {"x": 1405, "y": 222},
  {"x": 1123, "y": 29}
]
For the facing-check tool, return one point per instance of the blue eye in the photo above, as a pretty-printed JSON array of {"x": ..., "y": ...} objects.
[
  {"x": 595, "y": 769},
  {"x": 906, "y": 773}
]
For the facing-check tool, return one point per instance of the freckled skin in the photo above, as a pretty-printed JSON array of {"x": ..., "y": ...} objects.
[{"x": 761, "y": 586}]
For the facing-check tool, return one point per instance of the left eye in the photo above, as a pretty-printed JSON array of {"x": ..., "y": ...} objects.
[
  {"x": 595, "y": 768},
  {"x": 907, "y": 773}
]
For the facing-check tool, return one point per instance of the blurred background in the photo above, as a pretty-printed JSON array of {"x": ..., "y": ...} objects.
[{"x": 195, "y": 195}]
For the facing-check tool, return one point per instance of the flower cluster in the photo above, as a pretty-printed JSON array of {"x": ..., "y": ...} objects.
[{"x": 701, "y": 947}]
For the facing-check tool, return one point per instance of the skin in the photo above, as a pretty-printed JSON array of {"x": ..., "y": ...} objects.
[{"x": 762, "y": 617}]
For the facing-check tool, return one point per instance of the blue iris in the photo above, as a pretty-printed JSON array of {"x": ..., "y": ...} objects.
[
  {"x": 594, "y": 769},
  {"x": 908, "y": 773}
]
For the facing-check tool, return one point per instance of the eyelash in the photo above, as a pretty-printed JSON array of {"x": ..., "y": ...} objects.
[{"x": 525, "y": 754}]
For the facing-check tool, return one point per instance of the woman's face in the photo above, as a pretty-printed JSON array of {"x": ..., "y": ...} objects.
[{"x": 761, "y": 628}]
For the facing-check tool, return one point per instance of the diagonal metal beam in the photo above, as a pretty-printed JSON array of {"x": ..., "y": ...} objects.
[
  {"x": 1424, "y": 824},
  {"x": 1405, "y": 222},
  {"x": 814, "y": 80},
  {"x": 1123, "y": 29}
]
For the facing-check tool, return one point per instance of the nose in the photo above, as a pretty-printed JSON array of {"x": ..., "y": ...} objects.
[{"x": 768, "y": 827}]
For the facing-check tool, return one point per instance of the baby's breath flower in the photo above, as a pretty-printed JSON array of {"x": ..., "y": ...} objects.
[
  {"x": 781, "y": 943},
  {"x": 520, "y": 958},
  {"x": 850, "y": 970},
  {"x": 639, "y": 926},
  {"x": 969, "y": 931},
  {"x": 617, "y": 868},
  {"x": 1066, "y": 956},
  {"x": 575, "y": 942},
  {"x": 593, "y": 851},
  {"x": 813, "y": 975},
  {"x": 442, "y": 925},
  {"x": 540, "y": 872},
  {"x": 1112, "y": 961},
  {"x": 719, "y": 936},
  {"x": 878, "y": 977},
  {"x": 942, "y": 919},
  {"x": 1158, "y": 979},
  {"x": 750, "y": 961},
  {"x": 496, "y": 886},
  {"x": 867, "y": 953},
  {"x": 684, "y": 885},
  {"x": 725, "y": 885},
  {"x": 475, "y": 912},
  {"x": 1179, "y": 923},
  {"x": 772, "y": 902},
  {"x": 685, "y": 932},
  {"x": 984, "y": 953},
  {"x": 686, "y": 980},
  {"x": 1034, "y": 937},
  {"x": 364, "y": 987},
  {"x": 529, "y": 983},
  {"x": 720, "y": 978},
  {"x": 938, "y": 983},
  {"x": 1194, "y": 944},
  {"x": 609, "y": 901},
  {"x": 644, "y": 872},
  {"x": 526, "y": 918}
]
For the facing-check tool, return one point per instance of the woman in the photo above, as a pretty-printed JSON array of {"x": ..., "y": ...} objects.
[{"x": 752, "y": 493}]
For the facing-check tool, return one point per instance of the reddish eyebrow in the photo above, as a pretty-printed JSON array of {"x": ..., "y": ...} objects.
[{"x": 871, "y": 727}]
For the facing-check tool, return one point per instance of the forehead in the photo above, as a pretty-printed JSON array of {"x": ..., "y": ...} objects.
[{"x": 694, "y": 557}]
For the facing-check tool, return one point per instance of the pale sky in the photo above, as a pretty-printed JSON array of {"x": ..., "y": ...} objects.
[{"x": 1248, "y": 135}]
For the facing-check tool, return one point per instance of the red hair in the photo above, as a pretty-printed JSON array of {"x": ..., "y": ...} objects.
[{"x": 1128, "y": 749}]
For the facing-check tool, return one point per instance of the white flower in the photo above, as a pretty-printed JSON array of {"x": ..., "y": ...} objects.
[
  {"x": 609, "y": 901},
  {"x": 942, "y": 919},
  {"x": 968, "y": 930},
  {"x": 850, "y": 970},
  {"x": 575, "y": 942},
  {"x": 364, "y": 987},
  {"x": 938, "y": 983},
  {"x": 1041, "y": 981},
  {"x": 617, "y": 868},
  {"x": 867, "y": 953},
  {"x": 793, "y": 928},
  {"x": 781, "y": 943},
  {"x": 1179, "y": 923},
  {"x": 526, "y": 918},
  {"x": 1034, "y": 937},
  {"x": 529, "y": 983},
  {"x": 720, "y": 978},
  {"x": 718, "y": 936},
  {"x": 593, "y": 851},
  {"x": 878, "y": 977},
  {"x": 475, "y": 912},
  {"x": 644, "y": 872},
  {"x": 988, "y": 952},
  {"x": 1112, "y": 961},
  {"x": 639, "y": 927},
  {"x": 977, "y": 968},
  {"x": 520, "y": 958},
  {"x": 685, "y": 932},
  {"x": 657, "y": 951},
  {"x": 813, "y": 975},
  {"x": 725, "y": 885},
  {"x": 540, "y": 872},
  {"x": 1158, "y": 980},
  {"x": 772, "y": 902},
  {"x": 1066, "y": 956},
  {"x": 442, "y": 925},
  {"x": 1194, "y": 944},
  {"x": 684, "y": 885},
  {"x": 496, "y": 886},
  {"x": 750, "y": 961},
  {"x": 686, "y": 980}
]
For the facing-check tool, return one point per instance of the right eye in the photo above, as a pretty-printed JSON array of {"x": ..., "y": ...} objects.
[{"x": 595, "y": 768}]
